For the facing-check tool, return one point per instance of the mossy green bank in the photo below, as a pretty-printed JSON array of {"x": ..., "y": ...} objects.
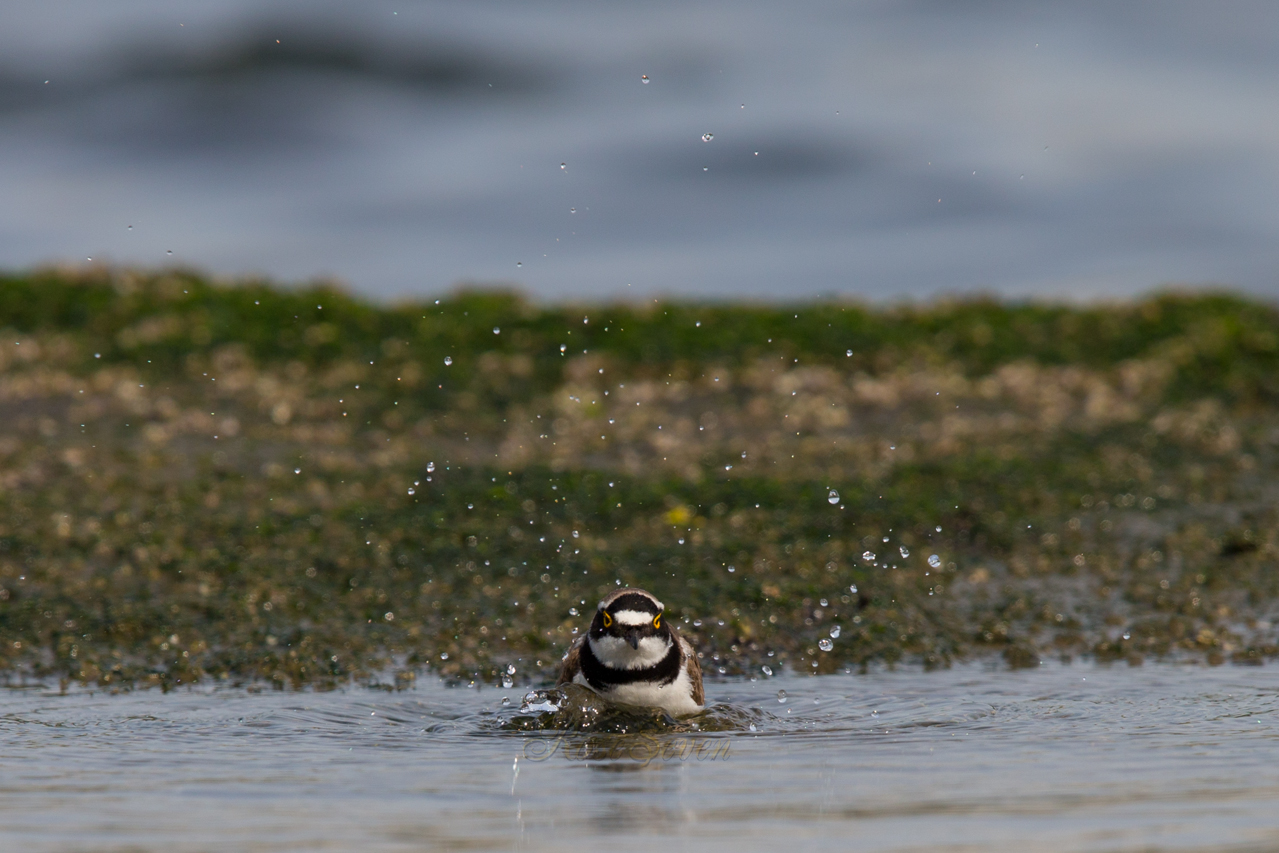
[{"x": 248, "y": 482}]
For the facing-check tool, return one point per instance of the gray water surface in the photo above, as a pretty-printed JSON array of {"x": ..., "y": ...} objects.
[
  {"x": 879, "y": 149},
  {"x": 1058, "y": 759}
]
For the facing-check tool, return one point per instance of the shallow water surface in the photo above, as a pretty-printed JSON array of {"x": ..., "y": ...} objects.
[{"x": 1061, "y": 758}]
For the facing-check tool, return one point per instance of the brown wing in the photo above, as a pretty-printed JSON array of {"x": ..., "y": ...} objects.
[
  {"x": 572, "y": 663},
  {"x": 694, "y": 670}
]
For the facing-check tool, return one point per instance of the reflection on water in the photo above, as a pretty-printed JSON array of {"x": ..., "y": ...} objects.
[
  {"x": 1062, "y": 758},
  {"x": 573, "y": 708},
  {"x": 709, "y": 148}
]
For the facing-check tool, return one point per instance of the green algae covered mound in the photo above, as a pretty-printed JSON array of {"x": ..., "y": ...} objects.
[{"x": 247, "y": 482}]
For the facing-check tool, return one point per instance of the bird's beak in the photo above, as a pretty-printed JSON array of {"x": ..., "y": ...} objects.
[{"x": 633, "y": 639}]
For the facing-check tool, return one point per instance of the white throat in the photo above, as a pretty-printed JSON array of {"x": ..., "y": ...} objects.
[{"x": 616, "y": 653}]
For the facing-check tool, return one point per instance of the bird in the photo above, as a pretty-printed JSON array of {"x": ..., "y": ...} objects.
[{"x": 632, "y": 655}]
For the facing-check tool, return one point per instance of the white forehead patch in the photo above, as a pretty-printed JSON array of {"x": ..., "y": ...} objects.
[{"x": 632, "y": 617}]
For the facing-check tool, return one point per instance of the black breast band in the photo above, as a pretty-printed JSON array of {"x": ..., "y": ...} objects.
[{"x": 603, "y": 677}]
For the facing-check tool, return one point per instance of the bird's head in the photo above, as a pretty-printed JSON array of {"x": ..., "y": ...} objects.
[{"x": 629, "y": 630}]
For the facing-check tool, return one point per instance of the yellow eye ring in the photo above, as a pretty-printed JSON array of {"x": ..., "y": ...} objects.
[
  {"x": 608, "y": 620},
  {"x": 657, "y": 621}
]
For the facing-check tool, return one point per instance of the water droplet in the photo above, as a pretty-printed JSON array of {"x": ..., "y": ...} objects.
[
  {"x": 572, "y": 611},
  {"x": 497, "y": 330},
  {"x": 448, "y": 360},
  {"x": 563, "y": 347},
  {"x": 1127, "y": 636},
  {"x": 849, "y": 353},
  {"x": 905, "y": 552},
  {"x": 767, "y": 670},
  {"x": 644, "y": 79},
  {"x": 430, "y": 466},
  {"x": 572, "y": 210},
  {"x": 563, "y": 166},
  {"x": 825, "y": 644},
  {"x": 470, "y": 506},
  {"x": 444, "y": 655},
  {"x": 575, "y": 534},
  {"x": 297, "y": 470},
  {"x": 519, "y": 263},
  {"x": 510, "y": 669},
  {"x": 507, "y": 682},
  {"x": 506, "y": 700},
  {"x": 781, "y": 696},
  {"x": 868, "y": 556},
  {"x": 752, "y": 727},
  {"x": 938, "y": 528},
  {"x": 707, "y": 137},
  {"x": 934, "y": 560},
  {"x": 824, "y": 603},
  {"x": 853, "y": 589},
  {"x": 833, "y": 497},
  {"x": 411, "y": 491},
  {"x": 834, "y": 632}
]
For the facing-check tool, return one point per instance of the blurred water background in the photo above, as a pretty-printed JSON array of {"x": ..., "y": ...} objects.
[{"x": 877, "y": 149}]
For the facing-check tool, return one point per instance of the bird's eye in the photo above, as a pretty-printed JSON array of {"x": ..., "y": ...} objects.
[
  {"x": 608, "y": 620},
  {"x": 657, "y": 621}
]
